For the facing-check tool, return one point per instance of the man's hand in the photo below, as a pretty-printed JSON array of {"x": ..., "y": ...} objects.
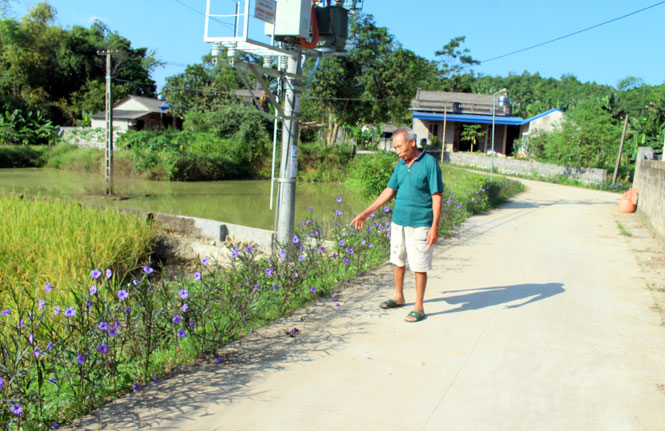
[
  {"x": 359, "y": 221},
  {"x": 432, "y": 236}
]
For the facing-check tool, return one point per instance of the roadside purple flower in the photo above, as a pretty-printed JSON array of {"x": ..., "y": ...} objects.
[
  {"x": 16, "y": 408},
  {"x": 103, "y": 348},
  {"x": 137, "y": 387},
  {"x": 386, "y": 209},
  {"x": 235, "y": 253},
  {"x": 256, "y": 287},
  {"x": 372, "y": 214},
  {"x": 282, "y": 254},
  {"x": 128, "y": 310},
  {"x": 269, "y": 272},
  {"x": 371, "y": 244},
  {"x": 197, "y": 276},
  {"x": 346, "y": 261},
  {"x": 322, "y": 249},
  {"x": 5, "y": 312},
  {"x": 122, "y": 294},
  {"x": 301, "y": 258},
  {"x": 70, "y": 312},
  {"x": 136, "y": 282},
  {"x": 95, "y": 273},
  {"x": 184, "y": 308},
  {"x": 349, "y": 250},
  {"x": 182, "y": 333},
  {"x": 339, "y": 199},
  {"x": 342, "y": 243},
  {"x": 103, "y": 326},
  {"x": 2, "y": 383},
  {"x": 334, "y": 255},
  {"x": 48, "y": 287},
  {"x": 205, "y": 261},
  {"x": 219, "y": 360},
  {"x": 53, "y": 379},
  {"x": 312, "y": 289},
  {"x": 184, "y": 293},
  {"x": 31, "y": 338},
  {"x": 56, "y": 310},
  {"x": 154, "y": 379},
  {"x": 296, "y": 240},
  {"x": 80, "y": 358},
  {"x": 36, "y": 351},
  {"x": 113, "y": 331},
  {"x": 93, "y": 290},
  {"x": 295, "y": 275},
  {"x": 250, "y": 249},
  {"x": 191, "y": 324},
  {"x": 276, "y": 287},
  {"x": 176, "y": 319},
  {"x": 363, "y": 242},
  {"x": 310, "y": 208},
  {"x": 49, "y": 346},
  {"x": 338, "y": 212},
  {"x": 55, "y": 426},
  {"x": 109, "y": 274},
  {"x": 369, "y": 228},
  {"x": 148, "y": 270}
]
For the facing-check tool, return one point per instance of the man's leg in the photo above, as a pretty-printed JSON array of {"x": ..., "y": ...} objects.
[
  {"x": 421, "y": 284},
  {"x": 398, "y": 276}
]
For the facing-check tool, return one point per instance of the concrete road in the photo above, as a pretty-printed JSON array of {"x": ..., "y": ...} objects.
[{"x": 538, "y": 319}]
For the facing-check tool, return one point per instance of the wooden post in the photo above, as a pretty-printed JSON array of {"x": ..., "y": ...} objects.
[
  {"x": 443, "y": 141},
  {"x": 623, "y": 139}
]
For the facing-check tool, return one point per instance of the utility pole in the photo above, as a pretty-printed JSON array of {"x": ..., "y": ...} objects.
[
  {"x": 288, "y": 163},
  {"x": 623, "y": 139},
  {"x": 108, "y": 164}
]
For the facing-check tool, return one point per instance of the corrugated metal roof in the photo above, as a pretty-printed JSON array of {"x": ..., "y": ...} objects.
[
  {"x": 542, "y": 114},
  {"x": 122, "y": 115},
  {"x": 470, "y": 118}
]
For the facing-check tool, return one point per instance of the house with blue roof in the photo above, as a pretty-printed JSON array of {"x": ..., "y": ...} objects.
[{"x": 440, "y": 117}]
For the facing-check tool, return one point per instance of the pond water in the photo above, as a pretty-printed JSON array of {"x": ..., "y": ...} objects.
[{"x": 240, "y": 202}]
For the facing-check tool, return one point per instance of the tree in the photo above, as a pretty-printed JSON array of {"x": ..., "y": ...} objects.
[
  {"x": 472, "y": 133},
  {"x": 59, "y": 73},
  {"x": 454, "y": 65},
  {"x": 202, "y": 87},
  {"x": 374, "y": 83}
]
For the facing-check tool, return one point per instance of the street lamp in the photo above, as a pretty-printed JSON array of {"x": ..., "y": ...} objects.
[{"x": 503, "y": 100}]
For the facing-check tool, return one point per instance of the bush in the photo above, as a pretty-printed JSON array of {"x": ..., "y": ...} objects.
[
  {"x": 369, "y": 173},
  {"x": 318, "y": 162},
  {"x": 26, "y": 128},
  {"x": 23, "y": 156}
]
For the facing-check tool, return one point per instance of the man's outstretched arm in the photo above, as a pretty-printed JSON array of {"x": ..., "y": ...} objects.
[{"x": 359, "y": 221}]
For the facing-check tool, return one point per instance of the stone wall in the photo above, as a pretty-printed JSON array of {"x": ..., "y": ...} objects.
[
  {"x": 87, "y": 137},
  {"x": 650, "y": 184},
  {"x": 510, "y": 166}
]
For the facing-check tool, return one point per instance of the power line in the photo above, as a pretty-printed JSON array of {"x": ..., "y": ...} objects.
[{"x": 574, "y": 33}]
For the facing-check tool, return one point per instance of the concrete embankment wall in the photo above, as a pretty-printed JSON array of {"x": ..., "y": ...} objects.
[
  {"x": 526, "y": 167},
  {"x": 191, "y": 236},
  {"x": 650, "y": 184}
]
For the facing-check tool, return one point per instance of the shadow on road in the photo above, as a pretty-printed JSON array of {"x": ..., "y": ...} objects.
[{"x": 474, "y": 299}]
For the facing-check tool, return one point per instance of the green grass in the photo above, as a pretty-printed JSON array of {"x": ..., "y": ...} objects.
[
  {"x": 623, "y": 230},
  {"x": 58, "y": 242}
]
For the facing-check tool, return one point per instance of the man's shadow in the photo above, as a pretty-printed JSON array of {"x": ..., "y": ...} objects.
[{"x": 475, "y": 299}]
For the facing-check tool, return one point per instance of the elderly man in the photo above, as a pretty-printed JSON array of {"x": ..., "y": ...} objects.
[{"x": 416, "y": 185}]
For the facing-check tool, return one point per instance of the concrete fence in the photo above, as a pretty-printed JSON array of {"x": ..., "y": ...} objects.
[
  {"x": 650, "y": 184},
  {"x": 526, "y": 167},
  {"x": 87, "y": 137}
]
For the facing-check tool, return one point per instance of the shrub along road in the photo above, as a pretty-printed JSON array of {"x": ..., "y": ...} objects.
[{"x": 538, "y": 318}]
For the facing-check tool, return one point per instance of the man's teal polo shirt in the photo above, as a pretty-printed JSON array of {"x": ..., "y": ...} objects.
[{"x": 415, "y": 187}]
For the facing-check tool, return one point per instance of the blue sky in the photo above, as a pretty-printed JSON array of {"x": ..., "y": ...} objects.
[{"x": 628, "y": 47}]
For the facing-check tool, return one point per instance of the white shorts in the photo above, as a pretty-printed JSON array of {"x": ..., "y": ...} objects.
[{"x": 410, "y": 242}]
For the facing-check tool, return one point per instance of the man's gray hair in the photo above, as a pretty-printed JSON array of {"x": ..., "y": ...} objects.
[{"x": 406, "y": 131}]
